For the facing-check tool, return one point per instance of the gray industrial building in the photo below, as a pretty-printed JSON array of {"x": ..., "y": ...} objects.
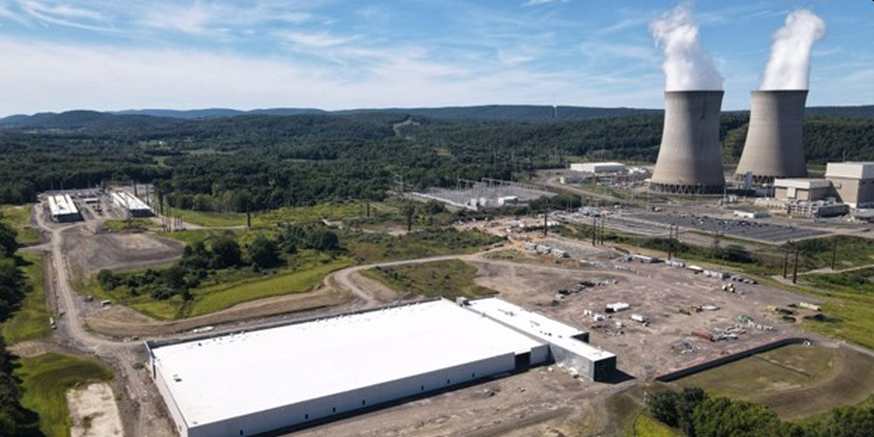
[
  {"x": 299, "y": 374},
  {"x": 63, "y": 209},
  {"x": 853, "y": 182},
  {"x": 690, "y": 155},
  {"x": 774, "y": 145}
]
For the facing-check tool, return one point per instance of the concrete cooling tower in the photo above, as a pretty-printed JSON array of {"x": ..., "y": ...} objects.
[
  {"x": 690, "y": 156},
  {"x": 774, "y": 147}
]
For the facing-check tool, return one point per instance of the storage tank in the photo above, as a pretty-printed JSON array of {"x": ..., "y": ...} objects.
[
  {"x": 690, "y": 156},
  {"x": 774, "y": 146}
]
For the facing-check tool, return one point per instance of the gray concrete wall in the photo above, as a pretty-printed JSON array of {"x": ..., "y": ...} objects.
[
  {"x": 774, "y": 145},
  {"x": 690, "y": 155}
]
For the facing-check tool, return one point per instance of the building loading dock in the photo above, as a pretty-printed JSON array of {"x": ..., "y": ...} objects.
[{"x": 253, "y": 382}]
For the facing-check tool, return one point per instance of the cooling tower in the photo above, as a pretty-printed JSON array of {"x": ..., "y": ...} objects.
[
  {"x": 690, "y": 156},
  {"x": 774, "y": 146}
]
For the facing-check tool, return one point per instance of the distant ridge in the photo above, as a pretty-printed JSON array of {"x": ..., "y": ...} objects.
[
  {"x": 193, "y": 114},
  {"x": 82, "y": 119}
]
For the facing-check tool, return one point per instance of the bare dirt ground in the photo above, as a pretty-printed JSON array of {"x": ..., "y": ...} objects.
[
  {"x": 542, "y": 401},
  {"x": 94, "y": 251},
  {"x": 93, "y": 412},
  {"x": 654, "y": 290}
]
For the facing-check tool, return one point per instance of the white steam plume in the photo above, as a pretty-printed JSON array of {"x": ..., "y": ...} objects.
[
  {"x": 789, "y": 66},
  {"x": 687, "y": 66}
]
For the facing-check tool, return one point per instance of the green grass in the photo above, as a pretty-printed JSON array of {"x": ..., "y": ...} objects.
[
  {"x": 646, "y": 426},
  {"x": 19, "y": 218},
  {"x": 308, "y": 214},
  {"x": 369, "y": 248},
  {"x": 794, "y": 381},
  {"x": 45, "y": 380},
  {"x": 300, "y": 280},
  {"x": 134, "y": 225},
  {"x": 227, "y": 288},
  {"x": 31, "y": 321},
  {"x": 449, "y": 279},
  {"x": 782, "y": 369},
  {"x": 208, "y": 219},
  {"x": 192, "y": 236}
]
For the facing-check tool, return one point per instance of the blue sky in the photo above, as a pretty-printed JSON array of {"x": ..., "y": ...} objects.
[{"x": 110, "y": 55}]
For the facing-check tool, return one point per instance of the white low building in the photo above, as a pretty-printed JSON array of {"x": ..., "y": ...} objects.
[
  {"x": 63, "y": 209},
  {"x": 131, "y": 204},
  {"x": 598, "y": 167},
  {"x": 295, "y": 375}
]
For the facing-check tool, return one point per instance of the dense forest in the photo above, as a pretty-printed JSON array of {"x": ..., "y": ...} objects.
[
  {"x": 15, "y": 420},
  {"x": 258, "y": 161}
]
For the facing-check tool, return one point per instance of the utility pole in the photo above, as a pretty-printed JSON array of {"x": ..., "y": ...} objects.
[
  {"x": 795, "y": 269},
  {"x": 785, "y": 262},
  {"x": 545, "y": 223},
  {"x": 603, "y": 228},
  {"x": 594, "y": 231}
]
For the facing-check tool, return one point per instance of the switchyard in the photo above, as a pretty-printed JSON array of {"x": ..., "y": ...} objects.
[
  {"x": 485, "y": 194},
  {"x": 246, "y": 383}
]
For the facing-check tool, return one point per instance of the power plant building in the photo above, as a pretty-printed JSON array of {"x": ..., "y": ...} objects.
[
  {"x": 774, "y": 146},
  {"x": 802, "y": 189},
  {"x": 62, "y": 208},
  {"x": 299, "y": 374},
  {"x": 853, "y": 182},
  {"x": 131, "y": 204},
  {"x": 690, "y": 155}
]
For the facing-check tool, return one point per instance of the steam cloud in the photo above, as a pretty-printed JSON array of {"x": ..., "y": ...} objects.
[
  {"x": 687, "y": 66},
  {"x": 789, "y": 66}
]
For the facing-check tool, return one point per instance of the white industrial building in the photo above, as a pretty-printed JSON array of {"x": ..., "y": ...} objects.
[
  {"x": 63, "y": 209},
  {"x": 598, "y": 167},
  {"x": 131, "y": 204},
  {"x": 568, "y": 346},
  {"x": 299, "y": 374}
]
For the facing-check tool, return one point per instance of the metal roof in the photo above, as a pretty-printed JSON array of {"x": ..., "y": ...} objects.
[
  {"x": 62, "y": 204},
  {"x": 538, "y": 326},
  {"x": 228, "y": 376}
]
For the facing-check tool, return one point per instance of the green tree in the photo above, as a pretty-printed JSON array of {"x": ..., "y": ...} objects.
[
  {"x": 264, "y": 253},
  {"x": 8, "y": 244},
  {"x": 719, "y": 417},
  {"x": 226, "y": 253}
]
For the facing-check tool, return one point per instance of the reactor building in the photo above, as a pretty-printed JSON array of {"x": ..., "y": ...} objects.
[
  {"x": 774, "y": 145},
  {"x": 690, "y": 155}
]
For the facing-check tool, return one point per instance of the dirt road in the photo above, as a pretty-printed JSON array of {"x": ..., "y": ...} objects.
[{"x": 140, "y": 405}]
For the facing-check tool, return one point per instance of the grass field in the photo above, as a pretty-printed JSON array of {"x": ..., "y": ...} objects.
[
  {"x": 646, "y": 426},
  {"x": 134, "y": 225},
  {"x": 794, "y": 381},
  {"x": 19, "y": 218},
  {"x": 375, "y": 247},
  {"x": 45, "y": 380},
  {"x": 229, "y": 288},
  {"x": 300, "y": 280},
  {"x": 208, "y": 219},
  {"x": 449, "y": 279},
  {"x": 31, "y": 321}
]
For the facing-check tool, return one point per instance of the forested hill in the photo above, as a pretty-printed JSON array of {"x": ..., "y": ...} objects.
[{"x": 73, "y": 120}]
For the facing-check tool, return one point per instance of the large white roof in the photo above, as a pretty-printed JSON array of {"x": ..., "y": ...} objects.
[
  {"x": 62, "y": 204},
  {"x": 238, "y": 374},
  {"x": 539, "y": 326}
]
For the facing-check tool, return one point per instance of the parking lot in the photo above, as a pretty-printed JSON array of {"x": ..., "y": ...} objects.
[{"x": 748, "y": 229}]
